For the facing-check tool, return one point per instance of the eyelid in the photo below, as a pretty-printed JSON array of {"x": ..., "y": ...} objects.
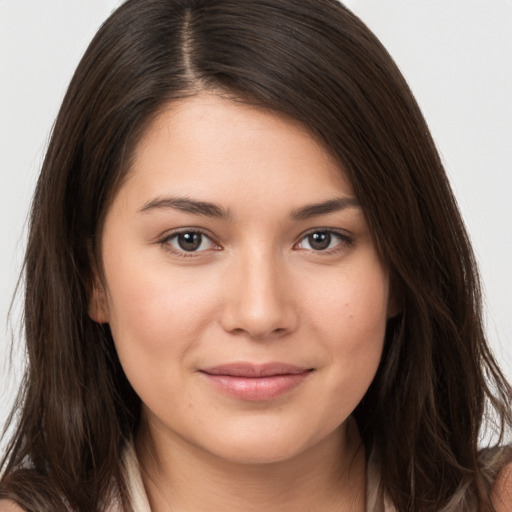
[
  {"x": 164, "y": 241},
  {"x": 346, "y": 240}
]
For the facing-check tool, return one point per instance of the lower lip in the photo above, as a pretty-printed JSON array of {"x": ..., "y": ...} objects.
[{"x": 256, "y": 388}]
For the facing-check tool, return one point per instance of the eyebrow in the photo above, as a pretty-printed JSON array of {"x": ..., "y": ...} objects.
[
  {"x": 208, "y": 209},
  {"x": 324, "y": 208},
  {"x": 186, "y": 205}
]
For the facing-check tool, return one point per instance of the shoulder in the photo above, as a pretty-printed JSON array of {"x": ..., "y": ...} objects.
[
  {"x": 501, "y": 495},
  {"x": 9, "y": 506}
]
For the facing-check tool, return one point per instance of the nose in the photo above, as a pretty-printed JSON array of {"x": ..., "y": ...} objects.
[{"x": 259, "y": 301}]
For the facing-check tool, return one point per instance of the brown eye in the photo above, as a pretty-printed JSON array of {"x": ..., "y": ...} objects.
[
  {"x": 324, "y": 240},
  {"x": 320, "y": 241},
  {"x": 189, "y": 241}
]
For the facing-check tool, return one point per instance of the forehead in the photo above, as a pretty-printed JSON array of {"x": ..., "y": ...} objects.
[{"x": 209, "y": 145}]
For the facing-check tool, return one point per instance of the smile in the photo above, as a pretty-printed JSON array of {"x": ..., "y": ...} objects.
[{"x": 250, "y": 382}]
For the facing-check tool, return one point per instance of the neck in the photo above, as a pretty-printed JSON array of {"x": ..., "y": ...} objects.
[{"x": 330, "y": 476}]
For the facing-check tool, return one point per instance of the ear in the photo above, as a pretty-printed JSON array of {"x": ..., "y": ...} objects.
[{"x": 98, "y": 305}]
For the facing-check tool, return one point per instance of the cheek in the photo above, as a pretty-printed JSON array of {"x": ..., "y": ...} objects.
[
  {"x": 156, "y": 317},
  {"x": 351, "y": 304},
  {"x": 351, "y": 317},
  {"x": 148, "y": 303},
  {"x": 156, "y": 324}
]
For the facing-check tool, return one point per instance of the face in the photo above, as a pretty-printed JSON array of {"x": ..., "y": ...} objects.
[{"x": 241, "y": 283}]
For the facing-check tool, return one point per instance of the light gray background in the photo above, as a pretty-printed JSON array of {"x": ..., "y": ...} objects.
[{"x": 456, "y": 55}]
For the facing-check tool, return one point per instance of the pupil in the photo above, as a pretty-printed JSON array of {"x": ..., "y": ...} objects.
[
  {"x": 189, "y": 241},
  {"x": 320, "y": 241}
]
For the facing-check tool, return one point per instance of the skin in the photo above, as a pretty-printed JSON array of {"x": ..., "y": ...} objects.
[{"x": 257, "y": 290}]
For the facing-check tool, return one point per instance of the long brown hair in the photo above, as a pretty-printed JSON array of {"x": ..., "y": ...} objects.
[{"x": 315, "y": 61}]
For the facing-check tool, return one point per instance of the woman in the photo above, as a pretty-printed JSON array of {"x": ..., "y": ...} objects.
[{"x": 248, "y": 286}]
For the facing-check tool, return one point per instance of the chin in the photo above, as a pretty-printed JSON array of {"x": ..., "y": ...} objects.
[
  {"x": 263, "y": 452},
  {"x": 253, "y": 446}
]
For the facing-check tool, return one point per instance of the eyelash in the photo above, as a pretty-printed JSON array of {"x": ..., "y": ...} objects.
[
  {"x": 344, "y": 241},
  {"x": 165, "y": 242}
]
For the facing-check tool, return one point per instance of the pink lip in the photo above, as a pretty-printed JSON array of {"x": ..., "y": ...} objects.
[{"x": 252, "y": 382}]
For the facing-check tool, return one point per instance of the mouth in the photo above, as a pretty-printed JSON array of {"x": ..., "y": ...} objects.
[{"x": 255, "y": 382}]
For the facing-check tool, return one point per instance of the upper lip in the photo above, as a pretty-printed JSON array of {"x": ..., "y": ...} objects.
[{"x": 243, "y": 369}]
